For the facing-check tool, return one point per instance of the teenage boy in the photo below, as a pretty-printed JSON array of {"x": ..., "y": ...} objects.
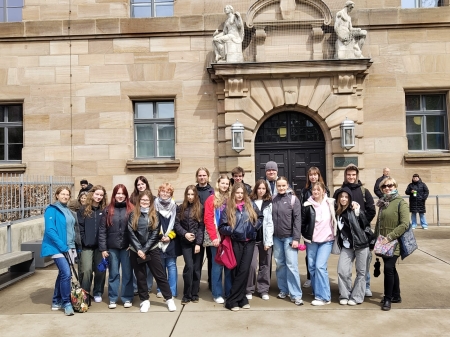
[{"x": 238, "y": 177}]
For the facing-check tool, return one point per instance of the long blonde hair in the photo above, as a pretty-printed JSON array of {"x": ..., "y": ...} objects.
[
  {"x": 101, "y": 205},
  {"x": 231, "y": 206},
  {"x": 221, "y": 197},
  {"x": 152, "y": 218}
]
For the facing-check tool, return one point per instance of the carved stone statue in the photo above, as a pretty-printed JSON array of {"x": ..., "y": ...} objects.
[
  {"x": 228, "y": 44},
  {"x": 350, "y": 40}
]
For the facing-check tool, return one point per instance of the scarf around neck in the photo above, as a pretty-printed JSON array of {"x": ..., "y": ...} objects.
[
  {"x": 383, "y": 203},
  {"x": 168, "y": 209}
]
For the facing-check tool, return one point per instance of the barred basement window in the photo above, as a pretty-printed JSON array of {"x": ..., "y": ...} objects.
[
  {"x": 426, "y": 122},
  {"x": 154, "y": 129},
  {"x": 11, "y": 133}
]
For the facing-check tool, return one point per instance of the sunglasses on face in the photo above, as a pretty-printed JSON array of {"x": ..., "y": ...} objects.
[{"x": 387, "y": 185}]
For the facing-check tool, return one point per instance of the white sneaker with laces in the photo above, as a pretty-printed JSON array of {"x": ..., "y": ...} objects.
[
  {"x": 265, "y": 297},
  {"x": 112, "y": 305},
  {"x": 171, "y": 305},
  {"x": 320, "y": 302},
  {"x": 351, "y": 302},
  {"x": 249, "y": 296},
  {"x": 159, "y": 294},
  {"x": 343, "y": 301},
  {"x": 97, "y": 299},
  {"x": 219, "y": 300},
  {"x": 307, "y": 284},
  {"x": 145, "y": 305},
  {"x": 127, "y": 304}
]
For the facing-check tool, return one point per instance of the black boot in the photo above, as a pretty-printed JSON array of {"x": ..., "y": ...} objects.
[
  {"x": 386, "y": 305},
  {"x": 396, "y": 299}
]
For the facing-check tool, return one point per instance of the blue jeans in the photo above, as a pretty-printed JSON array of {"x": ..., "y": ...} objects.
[
  {"x": 120, "y": 259},
  {"x": 216, "y": 277},
  {"x": 172, "y": 273},
  {"x": 288, "y": 278},
  {"x": 149, "y": 281},
  {"x": 423, "y": 221},
  {"x": 61, "y": 295},
  {"x": 318, "y": 254}
]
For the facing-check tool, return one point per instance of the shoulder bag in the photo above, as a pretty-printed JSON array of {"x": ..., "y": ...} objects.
[
  {"x": 386, "y": 250},
  {"x": 207, "y": 242},
  {"x": 80, "y": 298},
  {"x": 225, "y": 255}
]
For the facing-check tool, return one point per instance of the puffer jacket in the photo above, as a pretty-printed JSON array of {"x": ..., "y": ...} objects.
[
  {"x": 287, "y": 221},
  {"x": 144, "y": 237},
  {"x": 189, "y": 225},
  {"x": 356, "y": 228},
  {"x": 89, "y": 226},
  {"x": 116, "y": 235},
  {"x": 393, "y": 221},
  {"x": 417, "y": 203},
  {"x": 309, "y": 219},
  {"x": 243, "y": 230}
]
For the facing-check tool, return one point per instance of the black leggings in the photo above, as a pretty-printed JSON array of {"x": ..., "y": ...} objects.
[{"x": 391, "y": 279}]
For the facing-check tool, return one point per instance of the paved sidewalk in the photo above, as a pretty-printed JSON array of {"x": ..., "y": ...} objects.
[{"x": 425, "y": 310}]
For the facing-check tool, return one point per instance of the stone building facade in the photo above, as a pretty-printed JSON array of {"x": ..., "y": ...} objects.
[{"x": 80, "y": 68}]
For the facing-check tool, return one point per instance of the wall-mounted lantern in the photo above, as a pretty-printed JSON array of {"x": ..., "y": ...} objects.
[
  {"x": 347, "y": 134},
  {"x": 237, "y": 136}
]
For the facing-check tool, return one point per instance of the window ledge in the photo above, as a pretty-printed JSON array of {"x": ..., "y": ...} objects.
[
  {"x": 12, "y": 168},
  {"x": 427, "y": 157},
  {"x": 138, "y": 164}
]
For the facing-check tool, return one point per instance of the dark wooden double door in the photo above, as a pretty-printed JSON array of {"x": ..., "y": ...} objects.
[{"x": 297, "y": 147}]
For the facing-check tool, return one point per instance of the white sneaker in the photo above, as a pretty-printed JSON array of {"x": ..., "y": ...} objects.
[
  {"x": 219, "y": 300},
  {"x": 112, "y": 305},
  {"x": 127, "y": 304},
  {"x": 351, "y": 302},
  {"x": 281, "y": 295},
  {"x": 246, "y": 306},
  {"x": 249, "y": 296},
  {"x": 265, "y": 297},
  {"x": 171, "y": 305},
  {"x": 320, "y": 302},
  {"x": 307, "y": 284},
  {"x": 145, "y": 305},
  {"x": 159, "y": 294},
  {"x": 97, "y": 299},
  {"x": 368, "y": 293},
  {"x": 343, "y": 301}
]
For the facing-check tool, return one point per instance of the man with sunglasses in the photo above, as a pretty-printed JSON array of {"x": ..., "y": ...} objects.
[{"x": 363, "y": 197}]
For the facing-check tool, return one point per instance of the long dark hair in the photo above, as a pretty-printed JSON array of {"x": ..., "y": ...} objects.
[
  {"x": 313, "y": 170},
  {"x": 111, "y": 206},
  {"x": 254, "y": 195},
  {"x": 196, "y": 211},
  {"x": 134, "y": 196}
]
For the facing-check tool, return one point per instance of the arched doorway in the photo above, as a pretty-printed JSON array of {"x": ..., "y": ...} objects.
[{"x": 295, "y": 142}]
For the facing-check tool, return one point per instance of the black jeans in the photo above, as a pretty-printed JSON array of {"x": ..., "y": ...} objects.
[
  {"x": 209, "y": 261},
  {"x": 192, "y": 272},
  {"x": 157, "y": 270},
  {"x": 243, "y": 251},
  {"x": 391, "y": 279}
]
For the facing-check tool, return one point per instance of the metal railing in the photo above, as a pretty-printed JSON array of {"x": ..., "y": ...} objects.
[{"x": 23, "y": 196}]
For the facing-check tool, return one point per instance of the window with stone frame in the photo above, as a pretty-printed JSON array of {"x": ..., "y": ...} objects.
[
  {"x": 151, "y": 8},
  {"x": 11, "y": 133},
  {"x": 11, "y": 10},
  {"x": 423, "y": 3},
  {"x": 426, "y": 122},
  {"x": 154, "y": 129}
]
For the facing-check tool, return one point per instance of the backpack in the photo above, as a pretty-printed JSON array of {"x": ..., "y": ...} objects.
[{"x": 363, "y": 190}]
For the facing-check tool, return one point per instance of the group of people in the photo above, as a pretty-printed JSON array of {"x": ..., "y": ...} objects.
[{"x": 141, "y": 235}]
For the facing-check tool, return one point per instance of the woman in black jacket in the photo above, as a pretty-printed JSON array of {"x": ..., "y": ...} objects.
[
  {"x": 418, "y": 195},
  {"x": 354, "y": 235},
  {"x": 89, "y": 219},
  {"x": 143, "y": 230},
  {"x": 241, "y": 221},
  {"x": 190, "y": 228},
  {"x": 113, "y": 242}
]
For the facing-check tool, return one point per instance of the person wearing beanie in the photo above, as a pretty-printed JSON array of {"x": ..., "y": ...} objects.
[
  {"x": 418, "y": 195},
  {"x": 85, "y": 186},
  {"x": 271, "y": 177},
  {"x": 363, "y": 197}
]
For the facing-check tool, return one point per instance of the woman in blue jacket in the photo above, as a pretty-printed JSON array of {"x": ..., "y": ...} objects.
[
  {"x": 241, "y": 221},
  {"x": 59, "y": 238}
]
